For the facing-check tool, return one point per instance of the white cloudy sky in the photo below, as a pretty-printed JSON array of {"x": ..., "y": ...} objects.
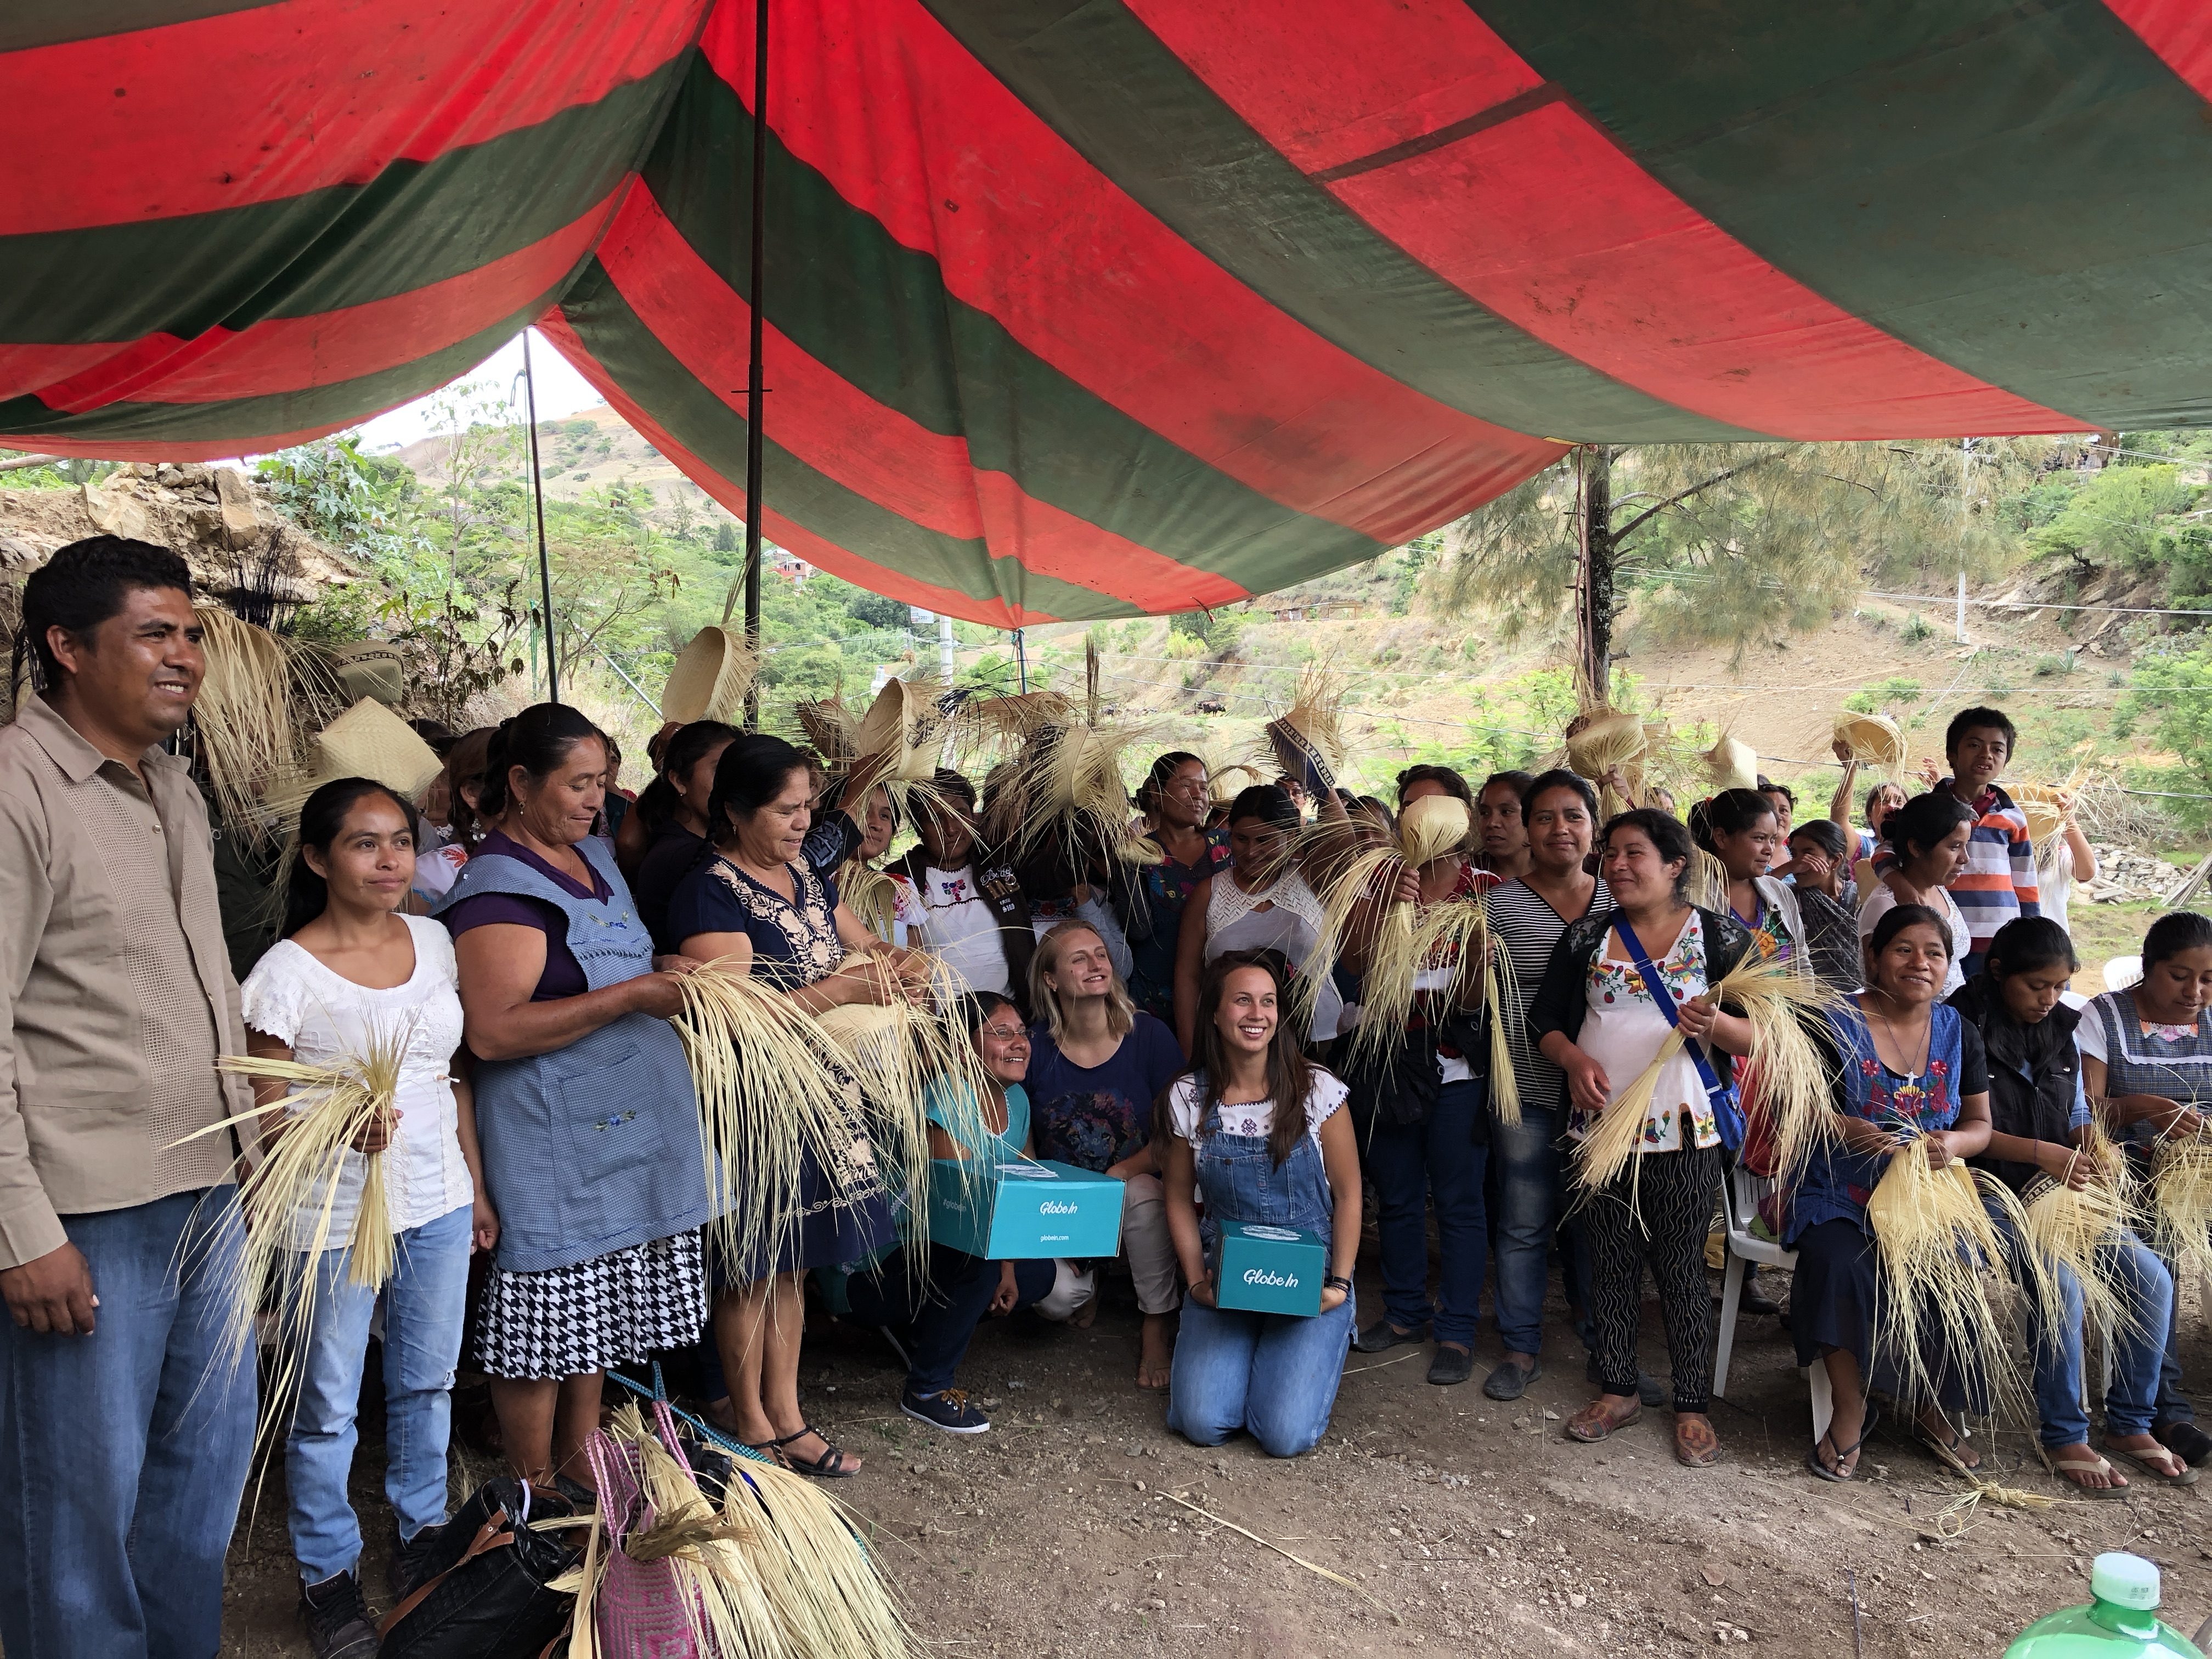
[{"x": 561, "y": 391}]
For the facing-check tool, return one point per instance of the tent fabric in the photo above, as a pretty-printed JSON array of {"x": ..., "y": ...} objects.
[{"x": 1085, "y": 308}]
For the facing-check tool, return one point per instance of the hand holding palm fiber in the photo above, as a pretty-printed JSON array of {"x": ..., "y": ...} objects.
[
  {"x": 1307, "y": 740},
  {"x": 773, "y": 1093},
  {"x": 772, "y": 1571},
  {"x": 897, "y": 1048},
  {"x": 1428, "y": 829},
  {"x": 2077, "y": 1229},
  {"x": 1937, "y": 1249},
  {"x": 1796, "y": 1076},
  {"x": 1605, "y": 739},
  {"x": 2180, "y": 1205},
  {"x": 1064, "y": 788},
  {"x": 1873, "y": 740}
]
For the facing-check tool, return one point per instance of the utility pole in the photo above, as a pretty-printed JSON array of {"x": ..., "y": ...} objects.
[
  {"x": 946, "y": 666},
  {"x": 1966, "y": 507}
]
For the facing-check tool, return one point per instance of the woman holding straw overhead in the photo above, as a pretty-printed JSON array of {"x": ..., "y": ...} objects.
[
  {"x": 1912, "y": 1070},
  {"x": 2088, "y": 1267},
  {"x": 349, "y": 972},
  {"x": 584, "y": 1100},
  {"x": 1650, "y": 1141},
  {"x": 2147, "y": 1061},
  {"x": 757, "y": 907}
]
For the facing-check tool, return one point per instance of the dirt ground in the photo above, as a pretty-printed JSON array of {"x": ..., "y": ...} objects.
[{"x": 1461, "y": 1524}]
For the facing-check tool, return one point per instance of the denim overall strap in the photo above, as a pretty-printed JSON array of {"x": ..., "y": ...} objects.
[
  {"x": 594, "y": 1147},
  {"x": 1240, "y": 1181}
]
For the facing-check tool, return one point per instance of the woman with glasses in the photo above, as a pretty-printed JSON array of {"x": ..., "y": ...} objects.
[{"x": 930, "y": 1307}]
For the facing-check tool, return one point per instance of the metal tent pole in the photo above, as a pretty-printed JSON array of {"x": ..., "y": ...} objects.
[
  {"x": 545, "y": 565},
  {"x": 754, "y": 387}
]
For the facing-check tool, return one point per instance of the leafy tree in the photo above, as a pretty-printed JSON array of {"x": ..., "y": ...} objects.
[
  {"x": 2114, "y": 518},
  {"x": 874, "y": 610},
  {"x": 1726, "y": 543},
  {"x": 2171, "y": 693}
]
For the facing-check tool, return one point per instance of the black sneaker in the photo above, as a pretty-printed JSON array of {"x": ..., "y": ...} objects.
[
  {"x": 410, "y": 1557},
  {"x": 1384, "y": 1334},
  {"x": 948, "y": 1410},
  {"x": 1511, "y": 1379},
  {"x": 336, "y": 1620},
  {"x": 1450, "y": 1365}
]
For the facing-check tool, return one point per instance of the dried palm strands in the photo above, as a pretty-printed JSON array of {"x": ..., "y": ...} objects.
[
  {"x": 831, "y": 727},
  {"x": 1872, "y": 740},
  {"x": 711, "y": 677},
  {"x": 244, "y": 718},
  {"x": 1225, "y": 783},
  {"x": 1601, "y": 741},
  {"x": 2179, "y": 1201},
  {"x": 1010, "y": 721},
  {"x": 870, "y": 894},
  {"x": 2076, "y": 1230},
  {"x": 903, "y": 731},
  {"x": 1307, "y": 740},
  {"x": 771, "y": 1571},
  {"x": 1706, "y": 881},
  {"x": 1795, "y": 1076},
  {"x": 1064, "y": 789},
  {"x": 1732, "y": 764},
  {"x": 1936, "y": 1246},
  {"x": 773, "y": 1096}
]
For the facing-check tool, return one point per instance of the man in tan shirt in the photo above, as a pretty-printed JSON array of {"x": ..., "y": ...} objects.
[{"x": 126, "y": 1422}]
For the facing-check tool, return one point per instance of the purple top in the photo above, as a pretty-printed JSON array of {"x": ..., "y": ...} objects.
[{"x": 563, "y": 976}]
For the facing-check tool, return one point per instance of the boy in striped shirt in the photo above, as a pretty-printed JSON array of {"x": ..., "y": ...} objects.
[{"x": 1999, "y": 880}]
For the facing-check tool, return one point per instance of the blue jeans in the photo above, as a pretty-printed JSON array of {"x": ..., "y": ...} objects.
[
  {"x": 1411, "y": 1163},
  {"x": 1530, "y": 1171},
  {"x": 2057, "y": 1356},
  {"x": 1273, "y": 1374},
  {"x": 123, "y": 1454},
  {"x": 935, "y": 1316},
  {"x": 424, "y": 1303}
]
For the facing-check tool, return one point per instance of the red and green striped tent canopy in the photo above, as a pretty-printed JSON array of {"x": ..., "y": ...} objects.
[{"x": 1081, "y": 309}]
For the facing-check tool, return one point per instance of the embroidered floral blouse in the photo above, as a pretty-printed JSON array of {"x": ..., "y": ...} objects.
[
  {"x": 1623, "y": 1029},
  {"x": 795, "y": 939}
]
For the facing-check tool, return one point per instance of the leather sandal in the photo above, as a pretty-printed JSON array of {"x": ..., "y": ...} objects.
[
  {"x": 1696, "y": 1445},
  {"x": 832, "y": 1465},
  {"x": 1605, "y": 1416}
]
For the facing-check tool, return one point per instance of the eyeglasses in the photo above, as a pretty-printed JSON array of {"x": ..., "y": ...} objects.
[{"x": 1016, "y": 1034}]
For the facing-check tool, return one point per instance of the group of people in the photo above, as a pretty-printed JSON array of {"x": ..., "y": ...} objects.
[{"x": 1187, "y": 1027}]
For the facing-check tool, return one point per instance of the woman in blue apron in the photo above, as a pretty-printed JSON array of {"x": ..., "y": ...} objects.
[
  {"x": 589, "y": 1125},
  {"x": 1261, "y": 1136}
]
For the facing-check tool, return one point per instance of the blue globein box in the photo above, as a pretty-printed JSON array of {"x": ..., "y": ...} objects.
[
  {"x": 1024, "y": 1210},
  {"x": 1276, "y": 1270}
]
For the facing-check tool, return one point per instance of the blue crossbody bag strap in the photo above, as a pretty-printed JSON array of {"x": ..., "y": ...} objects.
[{"x": 1718, "y": 1095}]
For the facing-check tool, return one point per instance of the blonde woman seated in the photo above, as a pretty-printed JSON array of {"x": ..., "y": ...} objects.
[
  {"x": 1259, "y": 1132},
  {"x": 1096, "y": 1065}
]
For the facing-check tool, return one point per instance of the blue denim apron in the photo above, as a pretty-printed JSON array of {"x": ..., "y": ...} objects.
[{"x": 595, "y": 1147}]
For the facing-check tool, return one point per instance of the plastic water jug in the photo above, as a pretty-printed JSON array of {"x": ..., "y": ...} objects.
[{"x": 2120, "y": 1622}]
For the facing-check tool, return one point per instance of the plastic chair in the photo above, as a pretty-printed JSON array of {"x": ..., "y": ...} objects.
[
  {"x": 2121, "y": 972},
  {"x": 1741, "y": 1193}
]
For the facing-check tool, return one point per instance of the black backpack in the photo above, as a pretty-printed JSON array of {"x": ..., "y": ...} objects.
[{"x": 483, "y": 1594}]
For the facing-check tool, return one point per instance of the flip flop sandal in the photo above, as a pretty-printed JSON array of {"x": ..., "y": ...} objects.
[
  {"x": 1840, "y": 1475},
  {"x": 1948, "y": 1456},
  {"x": 830, "y": 1466},
  {"x": 2164, "y": 1477},
  {"x": 2066, "y": 1467}
]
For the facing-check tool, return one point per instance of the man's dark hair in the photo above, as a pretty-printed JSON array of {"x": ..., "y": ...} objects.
[
  {"x": 1967, "y": 718},
  {"x": 87, "y": 582}
]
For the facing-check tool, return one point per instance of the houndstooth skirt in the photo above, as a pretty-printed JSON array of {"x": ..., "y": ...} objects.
[{"x": 566, "y": 1320}]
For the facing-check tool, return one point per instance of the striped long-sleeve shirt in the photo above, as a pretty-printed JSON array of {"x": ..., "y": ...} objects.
[{"x": 1999, "y": 880}]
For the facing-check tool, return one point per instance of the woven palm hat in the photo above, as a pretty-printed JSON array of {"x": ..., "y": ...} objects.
[
  {"x": 710, "y": 678},
  {"x": 369, "y": 741}
]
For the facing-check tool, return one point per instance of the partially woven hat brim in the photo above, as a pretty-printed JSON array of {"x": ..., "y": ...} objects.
[{"x": 369, "y": 741}]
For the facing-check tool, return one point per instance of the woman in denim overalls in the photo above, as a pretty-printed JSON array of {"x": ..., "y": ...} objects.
[{"x": 1234, "y": 1144}]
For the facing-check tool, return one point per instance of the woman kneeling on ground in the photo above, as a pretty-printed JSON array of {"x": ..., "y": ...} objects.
[
  {"x": 931, "y": 1308},
  {"x": 1597, "y": 1018},
  {"x": 1912, "y": 1066},
  {"x": 2041, "y": 1134},
  {"x": 1258, "y": 1130}
]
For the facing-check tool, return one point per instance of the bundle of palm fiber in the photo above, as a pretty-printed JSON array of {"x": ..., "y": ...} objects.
[
  {"x": 897, "y": 1048},
  {"x": 2076, "y": 1228},
  {"x": 1453, "y": 935},
  {"x": 1706, "y": 882},
  {"x": 870, "y": 894},
  {"x": 1306, "y": 741},
  {"x": 1599, "y": 741},
  {"x": 772, "y": 1568},
  {"x": 1732, "y": 764},
  {"x": 903, "y": 729},
  {"x": 2178, "y": 1199},
  {"x": 774, "y": 1095},
  {"x": 1872, "y": 740},
  {"x": 1225, "y": 783},
  {"x": 1063, "y": 788},
  {"x": 711, "y": 677},
  {"x": 1011, "y": 720},
  {"x": 2045, "y": 807},
  {"x": 831, "y": 726},
  {"x": 1782, "y": 1006},
  {"x": 244, "y": 720},
  {"x": 1939, "y": 1252}
]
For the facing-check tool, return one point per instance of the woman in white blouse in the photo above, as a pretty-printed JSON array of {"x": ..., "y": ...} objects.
[{"x": 350, "y": 968}]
